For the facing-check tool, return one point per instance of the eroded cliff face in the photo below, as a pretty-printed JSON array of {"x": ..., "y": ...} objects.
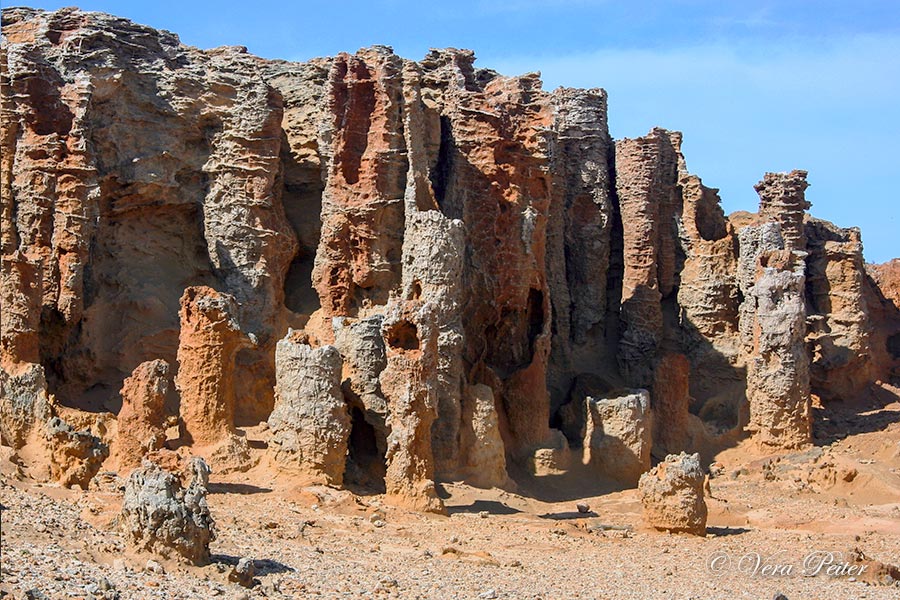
[{"x": 480, "y": 259}]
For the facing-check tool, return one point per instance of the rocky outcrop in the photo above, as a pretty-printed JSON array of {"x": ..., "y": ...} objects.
[
  {"x": 485, "y": 462},
  {"x": 646, "y": 174},
  {"x": 154, "y": 196},
  {"x": 24, "y": 405},
  {"x": 782, "y": 200},
  {"x": 618, "y": 434},
  {"x": 208, "y": 344},
  {"x": 159, "y": 515},
  {"x": 141, "y": 421},
  {"x": 358, "y": 258},
  {"x": 778, "y": 366},
  {"x": 75, "y": 456},
  {"x": 842, "y": 361},
  {"x": 672, "y": 495},
  {"x": 409, "y": 382},
  {"x": 310, "y": 424}
]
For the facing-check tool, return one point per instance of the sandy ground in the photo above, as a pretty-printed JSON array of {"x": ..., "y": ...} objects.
[{"x": 791, "y": 524}]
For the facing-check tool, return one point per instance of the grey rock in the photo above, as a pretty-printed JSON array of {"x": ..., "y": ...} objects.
[
  {"x": 310, "y": 424},
  {"x": 160, "y": 516}
]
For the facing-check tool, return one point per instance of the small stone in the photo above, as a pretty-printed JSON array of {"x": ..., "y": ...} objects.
[
  {"x": 154, "y": 567},
  {"x": 243, "y": 573},
  {"x": 379, "y": 523},
  {"x": 583, "y": 507},
  {"x": 779, "y": 596},
  {"x": 484, "y": 514},
  {"x": 489, "y": 594}
]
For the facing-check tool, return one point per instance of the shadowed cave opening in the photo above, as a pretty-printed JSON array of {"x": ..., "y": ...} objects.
[
  {"x": 403, "y": 335},
  {"x": 893, "y": 345},
  {"x": 365, "y": 463}
]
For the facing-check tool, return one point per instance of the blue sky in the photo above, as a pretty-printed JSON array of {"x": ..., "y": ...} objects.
[{"x": 754, "y": 86}]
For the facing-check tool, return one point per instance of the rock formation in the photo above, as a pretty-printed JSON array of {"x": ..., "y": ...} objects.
[
  {"x": 310, "y": 424},
  {"x": 480, "y": 438},
  {"x": 75, "y": 456},
  {"x": 409, "y": 382},
  {"x": 159, "y": 515},
  {"x": 672, "y": 495},
  {"x": 617, "y": 436},
  {"x": 482, "y": 254},
  {"x": 208, "y": 344},
  {"x": 141, "y": 421}
]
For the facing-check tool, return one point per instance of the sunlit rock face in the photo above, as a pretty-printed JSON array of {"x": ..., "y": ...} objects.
[{"x": 477, "y": 255}]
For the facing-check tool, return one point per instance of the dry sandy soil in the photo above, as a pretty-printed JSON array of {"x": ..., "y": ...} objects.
[{"x": 774, "y": 521}]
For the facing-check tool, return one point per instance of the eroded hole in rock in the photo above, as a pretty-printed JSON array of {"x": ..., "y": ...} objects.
[
  {"x": 416, "y": 290},
  {"x": 356, "y": 121},
  {"x": 404, "y": 336},
  {"x": 535, "y": 315},
  {"x": 711, "y": 219},
  {"x": 893, "y": 345},
  {"x": 365, "y": 463},
  {"x": 301, "y": 197},
  {"x": 440, "y": 174}
]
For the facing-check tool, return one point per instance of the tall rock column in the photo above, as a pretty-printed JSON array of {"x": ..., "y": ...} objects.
[
  {"x": 492, "y": 171},
  {"x": 646, "y": 173},
  {"x": 434, "y": 249},
  {"x": 358, "y": 258},
  {"x": 141, "y": 420},
  {"x": 208, "y": 344},
  {"x": 772, "y": 276},
  {"x": 778, "y": 369},
  {"x": 409, "y": 383},
  {"x": 585, "y": 150},
  {"x": 310, "y": 424},
  {"x": 782, "y": 199}
]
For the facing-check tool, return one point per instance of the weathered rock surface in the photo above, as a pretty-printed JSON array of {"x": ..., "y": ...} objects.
[
  {"x": 483, "y": 446},
  {"x": 778, "y": 366},
  {"x": 409, "y": 382},
  {"x": 207, "y": 348},
  {"x": 24, "y": 406},
  {"x": 672, "y": 495},
  {"x": 75, "y": 456},
  {"x": 646, "y": 174},
  {"x": 141, "y": 421},
  {"x": 139, "y": 175},
  {"x": 159, "y": 515},
  {"x": 618, "y": 434},
  {"x": 310, "y": 424}
]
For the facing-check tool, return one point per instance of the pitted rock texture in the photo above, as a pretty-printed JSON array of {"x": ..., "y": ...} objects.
[
  {"x": 163, "y": 202},
  {"x": 481, "y": 441},
  {"x": 672, "y": 495},
  {"x": 617, "y": 437},
  {"x": 159, "y": 515},
  {"x": 778, "y": 367},
  {"x": 75, "y": 456},
  {"x": 646, "y": 174},
  {"x": 208, "y": 344},
  {"x": 409, "y": 383},
  {"x": 310, "y": 424},
  {"x": 782, "y": 200},
  {"x": 141, "y": 421}
]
